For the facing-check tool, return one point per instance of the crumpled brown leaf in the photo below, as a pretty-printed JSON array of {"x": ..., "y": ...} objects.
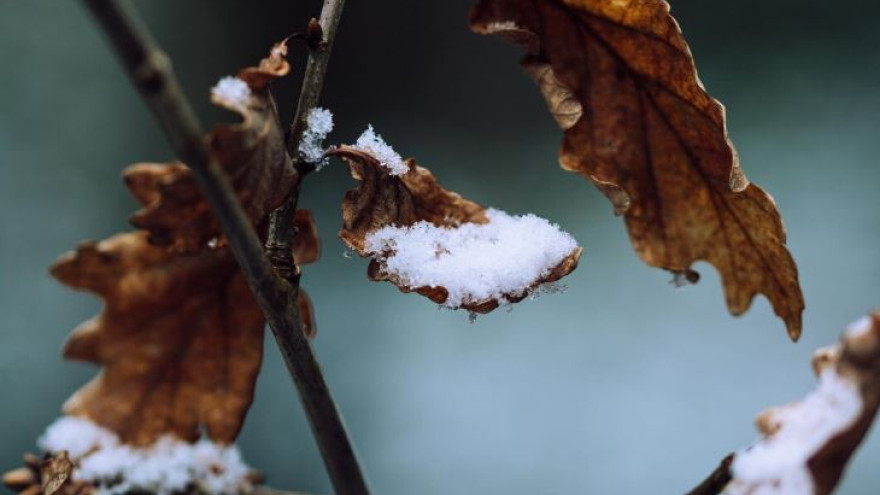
[
  {"x": 855, "y": 360},
  {"x": 619, "y": 79},
  {"x": 253, "y": 153},
  {"x": 382, "y": 199}
]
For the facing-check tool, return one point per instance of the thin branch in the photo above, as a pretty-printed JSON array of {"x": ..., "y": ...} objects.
[
  {"x": 150, "y": 71},
  {"x": 719, "y": 478},
  {"x": 280, "y": 240}
]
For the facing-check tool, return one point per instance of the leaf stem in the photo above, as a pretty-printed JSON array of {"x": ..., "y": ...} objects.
[{"x": 151, "y": 73}]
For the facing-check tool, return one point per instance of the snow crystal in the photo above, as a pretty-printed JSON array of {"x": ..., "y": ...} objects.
[
  {"x": 170, "y": 465},
  {"x": 474, "y": 262},
  {"x": 319, "y": 124},
  {"x": 777, "y": 465},
  {"x": 232, "y": 91},
  {"x": 372, "y": 143}
]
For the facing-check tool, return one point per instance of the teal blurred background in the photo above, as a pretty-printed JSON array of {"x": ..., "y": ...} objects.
[{"x": 621, "y": 385}]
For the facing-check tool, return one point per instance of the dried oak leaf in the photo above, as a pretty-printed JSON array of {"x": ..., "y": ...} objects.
[
  {"x": 253, "y": 154},
  {"x": 180, "y": 337},
  {"x": 807, "y": 444},
  {"x": 180, "y": 340},
  {"x": 383, "y": 199},
  {"x": 619, "y": 79}
]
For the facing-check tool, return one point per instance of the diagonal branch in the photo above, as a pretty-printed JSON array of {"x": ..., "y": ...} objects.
[
  {"x": 151, "y": 73},
  {"x": 716, "y": 481}
]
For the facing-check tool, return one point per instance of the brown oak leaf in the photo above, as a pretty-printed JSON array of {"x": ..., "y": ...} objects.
[
  {"x": 180, "y": 337},
  {"x": 383, "y": 199},
  {"x": 807, "y": 444},
  {"x": 620, "y": 80},
  {"x": 180, "y": 340},
  {"x": 253, "y": 153}
]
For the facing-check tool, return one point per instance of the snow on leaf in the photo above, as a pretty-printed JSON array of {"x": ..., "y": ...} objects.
[
  {"x": 426, "y": 239},
  {"x": 372, "y": 143},
  {"x": 620, "y": 81},
  {"x": 503, "y": 259},
  {"x": 167, "y": 466},
  {"x": 252, "y": 152},
  {"x": 807, "y": 444},
  {"x": 232, "y": 92}
]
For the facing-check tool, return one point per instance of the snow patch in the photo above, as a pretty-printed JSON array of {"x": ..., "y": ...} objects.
[
  {"x": 474, "y": 262},
  {"x": 372, "y": 143},
  {"x": 233, "y": 92},
  {"x": 860, "y": 327},
  {"x": 168, "y": 466},
  {"x": 777, "y": 465},
  {"x": 319, "y": 123},
  {"x": 500, "y": 27}
]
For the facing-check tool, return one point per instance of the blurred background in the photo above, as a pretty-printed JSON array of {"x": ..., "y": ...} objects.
[{"x": 621, "y": 385}]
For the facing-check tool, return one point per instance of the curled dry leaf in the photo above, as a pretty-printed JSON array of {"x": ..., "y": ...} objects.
[
  {"x": 253, "y": 154},
  {"x": 619, "y": 79},
  {"x": 386, "y": 199},
  {"x": 807, "y": 444}
]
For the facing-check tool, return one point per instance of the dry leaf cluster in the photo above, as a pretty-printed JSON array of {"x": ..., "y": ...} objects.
[{"x": 180, "y": 336}]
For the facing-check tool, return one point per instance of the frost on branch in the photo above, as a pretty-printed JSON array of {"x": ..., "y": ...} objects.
[
  {"x": 426, "y": 239},
  {"x": 98, "y": 462},
  {"x": 807, "y": 444},
  {"x": 620, "y": 81},
  {"x": 311, "y": 147},
  {"x": 252, "y": 152}
]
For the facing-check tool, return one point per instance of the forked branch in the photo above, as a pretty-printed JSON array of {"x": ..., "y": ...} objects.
[{"x": 151, "y": 73}]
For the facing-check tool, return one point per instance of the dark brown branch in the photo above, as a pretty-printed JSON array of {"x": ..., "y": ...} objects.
[
  {"x": 714, "y": 484},
  {"x": 151, "y": 72}
]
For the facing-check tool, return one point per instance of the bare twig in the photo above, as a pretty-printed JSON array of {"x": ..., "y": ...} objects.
[
  {"x": 719, "y": 478},
  {"x": 151, "y": 72},
  {"x": 280, "y": 240}
]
